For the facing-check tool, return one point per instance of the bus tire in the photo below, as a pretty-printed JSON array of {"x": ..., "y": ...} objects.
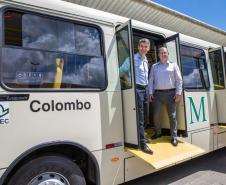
[{"x": 52, "y": 169}]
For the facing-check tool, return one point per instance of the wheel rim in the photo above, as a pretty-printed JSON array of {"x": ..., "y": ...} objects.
[{"x": 49, "y": 178}]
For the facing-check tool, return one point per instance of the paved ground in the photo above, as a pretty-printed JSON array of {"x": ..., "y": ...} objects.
[{"x": 205, "y": 170}]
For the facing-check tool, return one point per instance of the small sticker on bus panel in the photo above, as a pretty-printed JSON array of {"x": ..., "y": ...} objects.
[
  {"x": 4, "y": 113},
  {"x": 29, "y": 77}
]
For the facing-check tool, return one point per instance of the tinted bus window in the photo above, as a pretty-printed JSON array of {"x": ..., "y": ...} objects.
[
  {"x": 124, "y": 59},
  {"x": 195, "y": 75},
  {"x": 217, "y": 69},
  {"x": 41, "y": 52}
]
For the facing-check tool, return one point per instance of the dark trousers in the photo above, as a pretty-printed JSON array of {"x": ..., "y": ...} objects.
[
  {"x": 142, "y": 101},
  {"x": 166, "y": 98}
]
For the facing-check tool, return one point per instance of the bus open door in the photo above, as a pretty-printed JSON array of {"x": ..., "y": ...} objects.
[
  {"x": 217, "y": 62},
  {"x": 164, "y": 153},
  {"x": 125, "y": 52}
]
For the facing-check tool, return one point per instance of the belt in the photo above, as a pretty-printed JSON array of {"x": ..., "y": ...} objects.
[
  {"x": 165, "y": 90},
  {"x": 141, "y": 87}
]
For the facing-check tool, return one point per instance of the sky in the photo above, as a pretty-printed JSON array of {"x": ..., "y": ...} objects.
[{"x": 212, "y": 12}]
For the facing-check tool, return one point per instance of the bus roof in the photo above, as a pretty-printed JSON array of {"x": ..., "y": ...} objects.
[
  {"x": 64, "y": 8},
  {"x": 155, "y": 14}
]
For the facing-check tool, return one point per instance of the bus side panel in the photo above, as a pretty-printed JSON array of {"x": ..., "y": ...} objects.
[
  {"x": 92, "y": 128},
  {"x": 111, "y": 101},
  {"x": 135, "y": 168},
  {"x": 111, "y": 119},
  {"x": 30, "y": 125},
  {"x": 221, "y": 106},
  {"x": 221, "y": 140},
  {"x": 111, "y": 163},
  {"x": 220, "y": 137},
  {"x": 213, "y": 108},
  {"x": 203, "y": 139},
  {"x": 38, "y": 121}
]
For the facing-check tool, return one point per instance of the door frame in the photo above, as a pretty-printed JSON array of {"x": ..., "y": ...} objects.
[
  {"x": 133, "y": 84},
  {"x": 222, "y": 58}
]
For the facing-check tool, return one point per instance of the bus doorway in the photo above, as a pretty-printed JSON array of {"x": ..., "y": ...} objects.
[
  {"x": 152, "y": 58},
  {"x": 172, "y": 44},
  {"x": 126, "y": 49}
]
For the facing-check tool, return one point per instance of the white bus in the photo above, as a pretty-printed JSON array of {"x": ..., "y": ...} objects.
[{"x": 66, "y": 116}]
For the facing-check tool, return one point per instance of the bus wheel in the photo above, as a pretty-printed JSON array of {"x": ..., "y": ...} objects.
[{"x": 49, "y": 170}]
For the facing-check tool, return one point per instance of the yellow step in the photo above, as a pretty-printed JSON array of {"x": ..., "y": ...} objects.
[{"x": 165, "y": 154}]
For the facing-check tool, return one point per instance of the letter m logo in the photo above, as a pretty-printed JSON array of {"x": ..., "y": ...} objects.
[{"x": 197, "y": 112}]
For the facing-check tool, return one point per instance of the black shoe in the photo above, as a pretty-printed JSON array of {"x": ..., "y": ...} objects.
[
  {"x": 174, "y": 142},
  {"x": 155, "y": 136},
  {"x": 146, "y": 149}
]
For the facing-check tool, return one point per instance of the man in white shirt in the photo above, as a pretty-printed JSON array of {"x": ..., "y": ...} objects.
[{"x": 165, "y": 87}]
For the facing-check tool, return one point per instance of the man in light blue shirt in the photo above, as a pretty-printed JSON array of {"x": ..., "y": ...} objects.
[
  {"x": 141, "y": 76},
  {"x": 165, "y": 87}
]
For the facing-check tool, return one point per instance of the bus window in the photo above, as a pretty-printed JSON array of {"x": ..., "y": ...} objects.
[
  {"x": 34, "y": 44},
  {"x": 194, "y": 68},
  {"x": 172, "y": 51},
  {"x": 217, "y": 69},
  {"x": 124, "y": 59}
]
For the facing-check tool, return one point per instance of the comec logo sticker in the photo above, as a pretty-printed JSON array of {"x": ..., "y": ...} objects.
[{"x": 4, "y": 113}]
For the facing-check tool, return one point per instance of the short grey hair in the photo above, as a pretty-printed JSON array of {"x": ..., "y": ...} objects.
[
  {"x": 161, "y": 48},
  {"x": 144, "y": 40}
]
